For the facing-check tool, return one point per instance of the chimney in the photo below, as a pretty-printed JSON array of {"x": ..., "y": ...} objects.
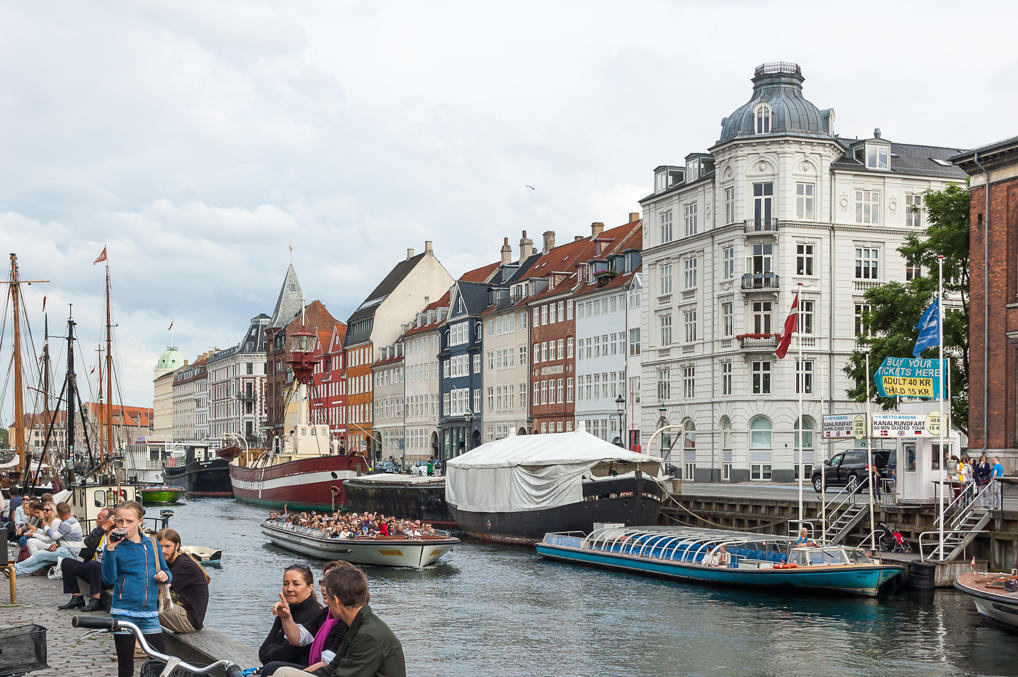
[
  {"x": 428, "y": 248},
  {"x": 526, "y": 247},
  {"x": 596, "y": 228},
  {"x": 634, "y": 217},
  {"x": 507, "y": 252},
  {"x": 409, "y": 253},
  {"x": 876, "y": 133},
  {"x": 549, "y": 241}
]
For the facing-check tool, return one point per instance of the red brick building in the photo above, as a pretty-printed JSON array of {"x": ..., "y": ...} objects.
[
  {"x": 328, "y": 390},
  {"x": 993, "y": 294}
]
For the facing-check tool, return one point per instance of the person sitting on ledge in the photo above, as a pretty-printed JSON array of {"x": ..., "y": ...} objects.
[
  {"x": 61, "y": 538},
  {"x": 190, "y": 587},
  {"x": 86, "y": 567},
  {"x": 296, "y": 601}
]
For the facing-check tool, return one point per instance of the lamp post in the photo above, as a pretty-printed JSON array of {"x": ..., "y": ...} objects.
[{"x": 620, "y": 405}]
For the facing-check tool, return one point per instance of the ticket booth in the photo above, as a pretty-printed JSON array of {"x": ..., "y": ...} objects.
[{"x": 919, "y": 461}]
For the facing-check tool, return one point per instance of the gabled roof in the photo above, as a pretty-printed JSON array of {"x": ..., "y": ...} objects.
[
  {"x": 374, "y": 300},
  {"x": 254, "y": 337},
  {"x": 482, "y": 274},
  {"x": 633, "y": 239},
  {"x": 474, "y": 299},
  {"x": 290, "y": 299}
]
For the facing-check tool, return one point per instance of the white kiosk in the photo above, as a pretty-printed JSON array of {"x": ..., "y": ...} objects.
[{"x": 919, "y": 462}]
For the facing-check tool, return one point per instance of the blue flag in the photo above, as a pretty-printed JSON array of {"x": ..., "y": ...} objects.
[{"x": 928, "y": 328}]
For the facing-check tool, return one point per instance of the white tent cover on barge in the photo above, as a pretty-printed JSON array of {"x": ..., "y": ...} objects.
[{"x": 537, "y": 472}]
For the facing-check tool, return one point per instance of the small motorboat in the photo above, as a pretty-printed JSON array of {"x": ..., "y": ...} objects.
[
  {"x": 995, "y": 594},
  {"x": 209, "y": 557},
  {"x": 723, "y": 557},
  {"x": 160, "y": 494},
  {"x": 383, "y": 551}
]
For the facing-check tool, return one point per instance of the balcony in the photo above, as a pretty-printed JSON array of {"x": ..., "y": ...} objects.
[
  {"x": 760, "y": 226},
  {"x": 759, "y": 282},
  {"x": 761, "y": 343},
  {"x": 246, "y": 397}
]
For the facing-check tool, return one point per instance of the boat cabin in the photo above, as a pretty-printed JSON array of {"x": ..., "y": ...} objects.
[{"x": 827, "y": 556}]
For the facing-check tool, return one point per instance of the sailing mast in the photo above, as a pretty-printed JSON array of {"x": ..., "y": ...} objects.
[
  {"x": 109, "y": 373},
  {"x": 100, "y": 409},
  {"x": 45, "y": 389}
]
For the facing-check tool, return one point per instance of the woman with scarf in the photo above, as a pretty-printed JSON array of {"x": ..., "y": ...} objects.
[{"x": 297, "y": 606}]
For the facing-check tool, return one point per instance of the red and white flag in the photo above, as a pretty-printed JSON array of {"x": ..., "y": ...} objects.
[
  {"x": 791, "y": 323},
  {"x": 101, "y": 257}
]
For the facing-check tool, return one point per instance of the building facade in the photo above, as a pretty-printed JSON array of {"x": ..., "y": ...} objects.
[
  {"x": 185, "y": 380},
  {"x": 780, "y": 204},
  {"x": 460, "y": 379},
  {"x": 236, "y": 379},
  {"x": 387, "y": 374},
  {"x": 278, "y": 377},
  {"x": 328, "y": 391},
  {"x": 162, "y": 400},
  {"x": 420, "y": 358}
]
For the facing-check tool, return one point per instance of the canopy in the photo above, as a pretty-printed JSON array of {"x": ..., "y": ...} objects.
[{"x": 535, "y": 472}]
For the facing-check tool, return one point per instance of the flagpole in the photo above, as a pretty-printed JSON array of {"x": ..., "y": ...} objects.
[
  {"x": 823, "y": 459},
  {"x": 801, "y": 385},
  {"x": 869, "y": 452},
  {"x": 940, "y": 377}
]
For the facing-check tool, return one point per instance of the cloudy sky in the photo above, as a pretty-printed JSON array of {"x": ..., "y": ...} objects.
[{"x": 199, "y": 140}]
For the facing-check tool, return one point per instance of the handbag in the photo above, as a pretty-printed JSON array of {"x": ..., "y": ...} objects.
[{"x": 165, "y": 601}]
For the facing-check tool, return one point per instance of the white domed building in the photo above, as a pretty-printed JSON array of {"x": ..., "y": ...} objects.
[{"x": 162, "y": 401}]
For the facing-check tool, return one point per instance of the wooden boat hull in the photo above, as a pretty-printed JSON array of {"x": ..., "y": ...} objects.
[
  {"x": 421, "y": 501},
  {"x": 862, "y": 579},
  {"x": 161, "y": 495},
  {"x": 627, "y": 500},
  {"x": 386, "y": 551},
  {"x": 202, "y": 478},
  {"x": 1000, "y": 606},
  {"x": 314, "y": 483}
]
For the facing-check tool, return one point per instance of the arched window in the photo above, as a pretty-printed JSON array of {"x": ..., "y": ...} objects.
[
  {"x": 762, "y": 118},
  {"x": 726, "y": 433},
  {"x": 760, "y": 433},
  {"x": 689, "y": 428},
  {"x": 808, "y": 426}
]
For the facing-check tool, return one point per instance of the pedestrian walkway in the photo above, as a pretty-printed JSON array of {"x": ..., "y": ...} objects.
[{"x": 38, "y": 598}]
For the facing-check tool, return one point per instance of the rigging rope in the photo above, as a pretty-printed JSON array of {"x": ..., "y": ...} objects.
[{"x": 703, "y": 519}]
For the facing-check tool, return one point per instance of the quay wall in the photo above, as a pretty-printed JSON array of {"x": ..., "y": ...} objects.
[{"x": 998, "y": 545}]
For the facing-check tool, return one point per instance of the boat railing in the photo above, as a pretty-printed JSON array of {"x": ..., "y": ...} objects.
[
  {"x": 922, "y": 554},
  {"x": 668, "y": 546}
]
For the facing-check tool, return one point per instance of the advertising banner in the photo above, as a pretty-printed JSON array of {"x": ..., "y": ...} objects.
[
  {"x": 906, "y": 425},
  {"x": 844, "y": 426},
  {"x": 908, "y": 377}
]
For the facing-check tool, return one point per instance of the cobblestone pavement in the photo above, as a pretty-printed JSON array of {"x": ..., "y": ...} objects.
[{"x": 38, "y": 598}]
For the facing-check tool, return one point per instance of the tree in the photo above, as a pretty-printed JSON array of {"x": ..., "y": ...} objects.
[
  {"x": 895, "y": 307},
  {"x": 3, "y": 438}
]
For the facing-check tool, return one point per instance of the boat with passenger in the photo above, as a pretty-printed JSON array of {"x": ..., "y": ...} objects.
[
  {"x": 995, "y": 594},
  {"x": 718, "y": 556}
]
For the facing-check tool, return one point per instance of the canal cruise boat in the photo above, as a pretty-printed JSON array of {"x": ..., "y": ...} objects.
[{"x": 719, "y": 556}]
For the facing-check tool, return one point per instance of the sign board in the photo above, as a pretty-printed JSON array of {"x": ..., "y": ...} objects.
[
  {"x": 908, "y": 377},
  {"x": 906, "y": 425},
  {"x": 844, "y": 426}
]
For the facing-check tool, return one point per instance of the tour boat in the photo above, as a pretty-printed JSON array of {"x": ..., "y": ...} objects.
[
  {"x": 995, "y": 594},
  {"x": 210, "y": 557},
  {"x": 411, "y": 496},
  {"x": 385, "y": 551},
  {"x": 160, "y": 494},
  {"x": 718, "y": 556}
]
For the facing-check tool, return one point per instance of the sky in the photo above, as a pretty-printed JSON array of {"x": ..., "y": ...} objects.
[{"x": 198, "y": 141}]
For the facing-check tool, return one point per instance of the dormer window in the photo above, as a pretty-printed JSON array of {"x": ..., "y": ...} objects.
[
  {"x": 762, "y": 114},
  {"x": 877, "y": 156}
]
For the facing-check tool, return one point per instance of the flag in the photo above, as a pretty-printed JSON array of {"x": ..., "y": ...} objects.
[
  {"x": 290, "y": 248},
  {"x": 790, "y": 326},
  {"x": 101, "y": 257},
  {"x": 928, "y": 328},
  {"x": 44, "y": 304},
  {"x": 170, "y": 328}
]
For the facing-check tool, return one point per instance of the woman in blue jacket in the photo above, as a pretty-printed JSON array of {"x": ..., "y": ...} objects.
[{"x": 133, "y": 565}]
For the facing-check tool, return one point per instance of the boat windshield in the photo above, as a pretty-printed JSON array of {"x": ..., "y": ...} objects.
[
  {"x": 818, "y": 556},
  {"x": 856, "y": 556}
]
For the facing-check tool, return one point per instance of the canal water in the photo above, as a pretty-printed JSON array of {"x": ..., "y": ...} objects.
[{"x": 500, "y": 610}]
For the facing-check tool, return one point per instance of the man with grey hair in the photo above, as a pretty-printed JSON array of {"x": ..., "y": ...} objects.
[{"x": 86, "y": 567}]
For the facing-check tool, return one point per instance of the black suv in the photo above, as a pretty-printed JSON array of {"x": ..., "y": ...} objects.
[{"x": 849, "y": 468}]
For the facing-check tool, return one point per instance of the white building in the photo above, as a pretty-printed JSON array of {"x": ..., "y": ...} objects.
[
  {"x": 388, "y": 393},
  {"x": 779, "y": 203},
  {"x": 162, "y": 396},
  {"x": 420, "y": 359},
  {"x": 236, "y": 385}
]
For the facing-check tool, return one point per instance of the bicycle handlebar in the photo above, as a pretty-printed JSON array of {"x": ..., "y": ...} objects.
[{"x": 98, "y": 622}]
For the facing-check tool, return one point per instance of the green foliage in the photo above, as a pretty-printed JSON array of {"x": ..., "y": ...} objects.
[
  {"x": 3, "y": 438},
  {"x": 897, "y": 306}
]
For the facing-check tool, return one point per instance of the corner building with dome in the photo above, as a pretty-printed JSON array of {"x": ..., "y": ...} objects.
[{"x": 780, "y": 199}]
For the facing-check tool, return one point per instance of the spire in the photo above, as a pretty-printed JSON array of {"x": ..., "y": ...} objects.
[{"x": 290, "y": 301}]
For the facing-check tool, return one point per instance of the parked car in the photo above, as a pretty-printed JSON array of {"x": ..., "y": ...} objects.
[
  {"x": 386, "y": 466},
  {"x": 849, "y": 468}
]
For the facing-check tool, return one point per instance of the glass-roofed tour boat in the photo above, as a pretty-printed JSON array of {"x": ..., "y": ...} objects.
[{"x": 723, "y": 557}]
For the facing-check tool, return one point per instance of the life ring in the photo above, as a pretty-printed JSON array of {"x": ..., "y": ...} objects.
[{"x": 781, "y": 565}]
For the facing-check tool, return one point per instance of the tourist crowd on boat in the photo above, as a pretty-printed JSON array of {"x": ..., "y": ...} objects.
[{"x": 350, "y": 524}]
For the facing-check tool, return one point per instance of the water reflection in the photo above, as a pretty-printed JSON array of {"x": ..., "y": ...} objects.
[{"x": 487, "y": 609}]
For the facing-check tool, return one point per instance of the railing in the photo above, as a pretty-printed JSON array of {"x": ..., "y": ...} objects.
[
  {"x": 760, "y": 226},
  {"x": 842, "y": 500},
  {"x": 753, "y": 343},
  {"x": 956, "y": 512},
  {"x": 922, "y": 553},
  {"x": 765, "y": 281}
]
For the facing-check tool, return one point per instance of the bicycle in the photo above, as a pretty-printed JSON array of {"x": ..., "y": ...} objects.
[{"x": 171, "y": 665}]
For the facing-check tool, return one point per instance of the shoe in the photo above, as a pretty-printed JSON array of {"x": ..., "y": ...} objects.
[
  {"x": 93, "y": 604},
  {"x": 73, "y": 603}
]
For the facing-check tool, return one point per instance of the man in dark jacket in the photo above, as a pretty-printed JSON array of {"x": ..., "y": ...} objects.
[
  {"x": 86, "y": 567},
  {"x": 190, "y": 587},
  {"x": 369, "y": 647}
]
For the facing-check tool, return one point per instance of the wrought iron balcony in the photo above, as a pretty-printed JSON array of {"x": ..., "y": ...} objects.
[
  {"x": 760, "y": 281},
  {"x": 758, "y": 342},
  {"x": 763, "y": 226}
]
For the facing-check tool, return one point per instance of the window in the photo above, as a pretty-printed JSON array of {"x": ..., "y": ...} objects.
[
  {"x": 551, "y": 314},
  {"x": 760, "y": 433},
  {"x": 689, "y": 273},
  {"x": 477, "y": 364},
  {"x": 760, "y": 471},
  {"x": 477, "y": 401},
  {"x": 569, "y": 348},
  {"x": 762, "y": 196},
  {"x": 560, "y": 345},
  {"x": 559, "y": 388},
  {"x": 762, "y": 114},
  {"x": 689, "y": 324},
  {"x": 730, "y": 205},
  {"x": 537, "y": 317},
  {"x": 804, "y": 377},
  {"x": 876, "y": 156},
  {"x": 689, "y": 382},
  {"x": 634, "y": 389},
  {"x": 445, "y": 368},
  {"x": 762, "y": 317},
  {"x": 727, "y": 318},
  {"x": 806, "y": 316},
  {"x": 867, "y": 263},
  {"x": 569, "y": 390},
  {"x": 665, "y": 220},
  {"x": 804, "y": 201},
  {"x": 807, "y": 434},
  {"x": 666, "y": 278},
  {"x": 459, "y": 333},
  {"x": 759, "y": 263},
  {"x": 634, "y": 341},
  {"x": 726, "y": 378},
  {"x": 761, "y": 378},
  {"x": 664, "y": 385},
  {"x": 913, "y": 271},
  {"x": 727, "y": 262},
  {"x": 862, "y": 312},
  {"x": 804, "y": 258},
  {"x": 665, "y": 322},
  {"x": 867, "y": 206},
  {"x": 689, "y": 219},
  {"x": 445, "y": 404},
  {"x": 914, "y": 210},
  {"x": 544, "y": 314}
]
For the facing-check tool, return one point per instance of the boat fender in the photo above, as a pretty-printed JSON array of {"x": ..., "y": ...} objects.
[{"x": 781, "y": 565}]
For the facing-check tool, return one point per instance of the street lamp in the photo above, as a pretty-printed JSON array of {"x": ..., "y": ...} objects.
[{"x": 620, "y": 405}]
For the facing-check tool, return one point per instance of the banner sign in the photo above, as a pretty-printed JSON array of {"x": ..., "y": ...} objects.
[
  {"x": 844, "y": 426},
  {"x": 908, "y": 377},
  {"x": 906, "y": 425}
]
